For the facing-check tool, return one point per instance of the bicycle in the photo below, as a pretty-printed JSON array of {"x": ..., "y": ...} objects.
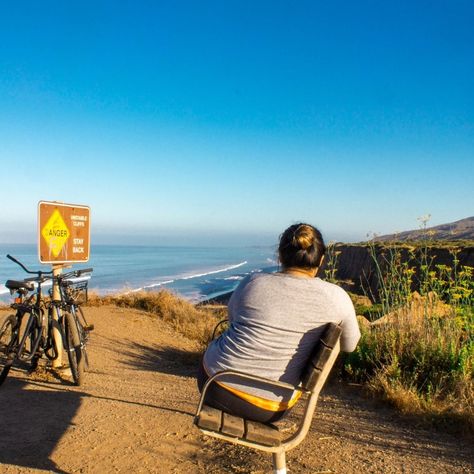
[
  {"x": 14, "y": 335},
  {"x": 76, "y": 327},
  {"x": 41, "y": 323}
]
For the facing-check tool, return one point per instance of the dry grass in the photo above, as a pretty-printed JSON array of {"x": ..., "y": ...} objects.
[
  {"x": 423, "y": 366},
  {"x": 195, "y": 322},
  {"x": 454, "y": 413}
]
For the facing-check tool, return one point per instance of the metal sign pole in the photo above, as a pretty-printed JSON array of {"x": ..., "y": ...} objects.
[{"x": 58, "y": 340}]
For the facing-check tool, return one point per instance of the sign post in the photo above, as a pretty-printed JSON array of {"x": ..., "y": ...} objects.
[{"x": 63, "y": 238}]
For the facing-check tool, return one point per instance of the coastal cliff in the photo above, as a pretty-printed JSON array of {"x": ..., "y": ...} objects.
[{"x": 356, "y": 267}]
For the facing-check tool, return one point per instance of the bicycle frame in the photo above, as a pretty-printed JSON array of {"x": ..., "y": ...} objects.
[{"x": 35, "y": 310}]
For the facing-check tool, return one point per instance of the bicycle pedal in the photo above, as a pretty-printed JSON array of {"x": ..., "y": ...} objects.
[{"x": 89, "y": 327}]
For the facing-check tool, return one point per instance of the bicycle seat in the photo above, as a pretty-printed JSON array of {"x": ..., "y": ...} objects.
[{"x": 19, "y": 285}]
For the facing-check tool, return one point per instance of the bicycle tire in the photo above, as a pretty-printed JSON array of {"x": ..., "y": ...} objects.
[
  {"x": 84, "y": 329},
  {"x": 87, "y": 328},
  {"x": 8, "y": 343},
  {"x": 29, "y": 338},
  {"x": 35, "y": 345},
  {"x": 73, "y": 345}
]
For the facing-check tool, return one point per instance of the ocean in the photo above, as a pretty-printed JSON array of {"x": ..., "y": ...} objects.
[{"x": 195, "y": 273}]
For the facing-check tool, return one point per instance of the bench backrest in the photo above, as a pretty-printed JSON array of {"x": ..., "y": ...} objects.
[{"x": 320, "y": 356}]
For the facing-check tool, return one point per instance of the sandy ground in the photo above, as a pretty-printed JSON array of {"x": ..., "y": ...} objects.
[{"x": 134, "y": 414}]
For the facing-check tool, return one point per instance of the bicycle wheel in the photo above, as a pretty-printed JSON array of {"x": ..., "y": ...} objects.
[
  {"x": 33, "y": 353},
  {"x": 83, "y": 321},
  {"x": 73, "y": 346},
  {"x": 8, "y": 343},
  {"x": 84, "y": 328},
  {"x": 29, "y": 338}
]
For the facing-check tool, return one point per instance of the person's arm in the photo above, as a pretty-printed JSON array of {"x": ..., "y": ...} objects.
[{"x": 350, "y": 327}]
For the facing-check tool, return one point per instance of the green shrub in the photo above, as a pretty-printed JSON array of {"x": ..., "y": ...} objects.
[{"x": 420, "y": 359}]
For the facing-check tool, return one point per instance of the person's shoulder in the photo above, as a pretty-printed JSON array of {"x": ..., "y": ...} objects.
[
  {"x": 327, "y": 286},
  {"x": 252, "y": 277},
  {"x": 333, "y": 290},
  {"x": 257, "y": 278},
  {"x": 249, "y": 280},
  {"x": 250, "y": 283}
]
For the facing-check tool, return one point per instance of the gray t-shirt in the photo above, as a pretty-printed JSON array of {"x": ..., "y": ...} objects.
[{"x": 275, "y": 321}]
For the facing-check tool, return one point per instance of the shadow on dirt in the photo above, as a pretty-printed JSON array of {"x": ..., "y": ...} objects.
[
  {"x": 157, "y": 358},
  {"x": 33, "y": 422}
]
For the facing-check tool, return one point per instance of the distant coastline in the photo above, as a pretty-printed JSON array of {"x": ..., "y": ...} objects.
[{"x": 194, "y": 273}]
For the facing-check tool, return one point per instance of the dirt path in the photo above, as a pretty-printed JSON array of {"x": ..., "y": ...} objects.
[{"x": 134, "y": 415}]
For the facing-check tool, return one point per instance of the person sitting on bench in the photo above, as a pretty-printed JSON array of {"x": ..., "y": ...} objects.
[{"x": 274, "y": 321}]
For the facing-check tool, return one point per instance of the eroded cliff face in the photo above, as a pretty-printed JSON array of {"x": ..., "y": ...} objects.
[{"x": 356, "y": 268}]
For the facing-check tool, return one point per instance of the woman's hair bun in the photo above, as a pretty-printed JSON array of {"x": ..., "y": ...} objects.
[
  {"x": 301, "y": 245},
  {"x": 304, "y": 236}
]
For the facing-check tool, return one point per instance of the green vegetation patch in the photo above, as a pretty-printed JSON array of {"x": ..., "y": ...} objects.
[{"x": 418, "y": 351}]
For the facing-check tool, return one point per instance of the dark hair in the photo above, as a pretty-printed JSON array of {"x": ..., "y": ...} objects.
[{"x": 301, "y": 245}]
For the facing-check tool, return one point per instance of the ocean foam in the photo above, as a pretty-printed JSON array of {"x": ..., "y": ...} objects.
[
  {"x": 147, "y": 287},
  {"x": 189, "y": 277},
  {"x": 213, "y": 272}
]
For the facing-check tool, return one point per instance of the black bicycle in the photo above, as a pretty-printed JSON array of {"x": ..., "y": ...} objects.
[
  {"x": 24, "y": 334},
  {"x": 28, "y": 334},
  {"x": 73, "y": 294}
]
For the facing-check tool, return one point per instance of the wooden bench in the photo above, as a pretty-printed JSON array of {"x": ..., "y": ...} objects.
[{"x": 267, "y": 437}]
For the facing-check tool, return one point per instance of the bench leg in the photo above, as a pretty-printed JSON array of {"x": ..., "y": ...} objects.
[{"x": 279, "y": 463}]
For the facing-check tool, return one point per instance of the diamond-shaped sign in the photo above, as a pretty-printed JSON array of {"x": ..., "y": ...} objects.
[{"x": 55, "y": 232}]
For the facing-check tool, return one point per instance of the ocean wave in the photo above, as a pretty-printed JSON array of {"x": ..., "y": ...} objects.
[
  {"x": 149, "y": 287},
  {"x": 235, "y": 277},
  {"x": 187, "y": 277},
  {"x": 213, "y": 272}
]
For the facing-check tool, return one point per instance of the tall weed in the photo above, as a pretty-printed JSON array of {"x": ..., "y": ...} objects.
[{"x": 419, "y": 353}]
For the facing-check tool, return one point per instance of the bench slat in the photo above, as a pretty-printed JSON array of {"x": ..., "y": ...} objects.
[
  {"x": 260, "y": 433},
  {"x": 331, "y": 335},
  {"x": 321, "y": 356},
  {"x": 233, "y": 425},
  {"x": 209, "y": 418},
  {"x": 311, "y": 378}
]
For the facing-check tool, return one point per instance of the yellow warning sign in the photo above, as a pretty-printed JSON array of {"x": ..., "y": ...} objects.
[
  {"x": 56, "y": 233},
  {"x": 63, "y": 232}
]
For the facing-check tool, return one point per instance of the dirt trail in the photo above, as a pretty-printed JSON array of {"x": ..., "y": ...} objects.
[{"x": 134, "y": 414}]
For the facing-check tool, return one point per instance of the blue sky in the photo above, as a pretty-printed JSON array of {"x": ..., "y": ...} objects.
[{"x": 225, "y": 122}]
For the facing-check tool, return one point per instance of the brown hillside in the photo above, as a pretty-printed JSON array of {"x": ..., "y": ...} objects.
[{"x": 459, "y": 230}]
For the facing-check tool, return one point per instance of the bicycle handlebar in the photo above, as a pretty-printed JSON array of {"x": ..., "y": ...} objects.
[
  {"x": 39, "y": 279},
  {"x": 39, "y": 272},
  {"x": 75, "y": 273}
]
